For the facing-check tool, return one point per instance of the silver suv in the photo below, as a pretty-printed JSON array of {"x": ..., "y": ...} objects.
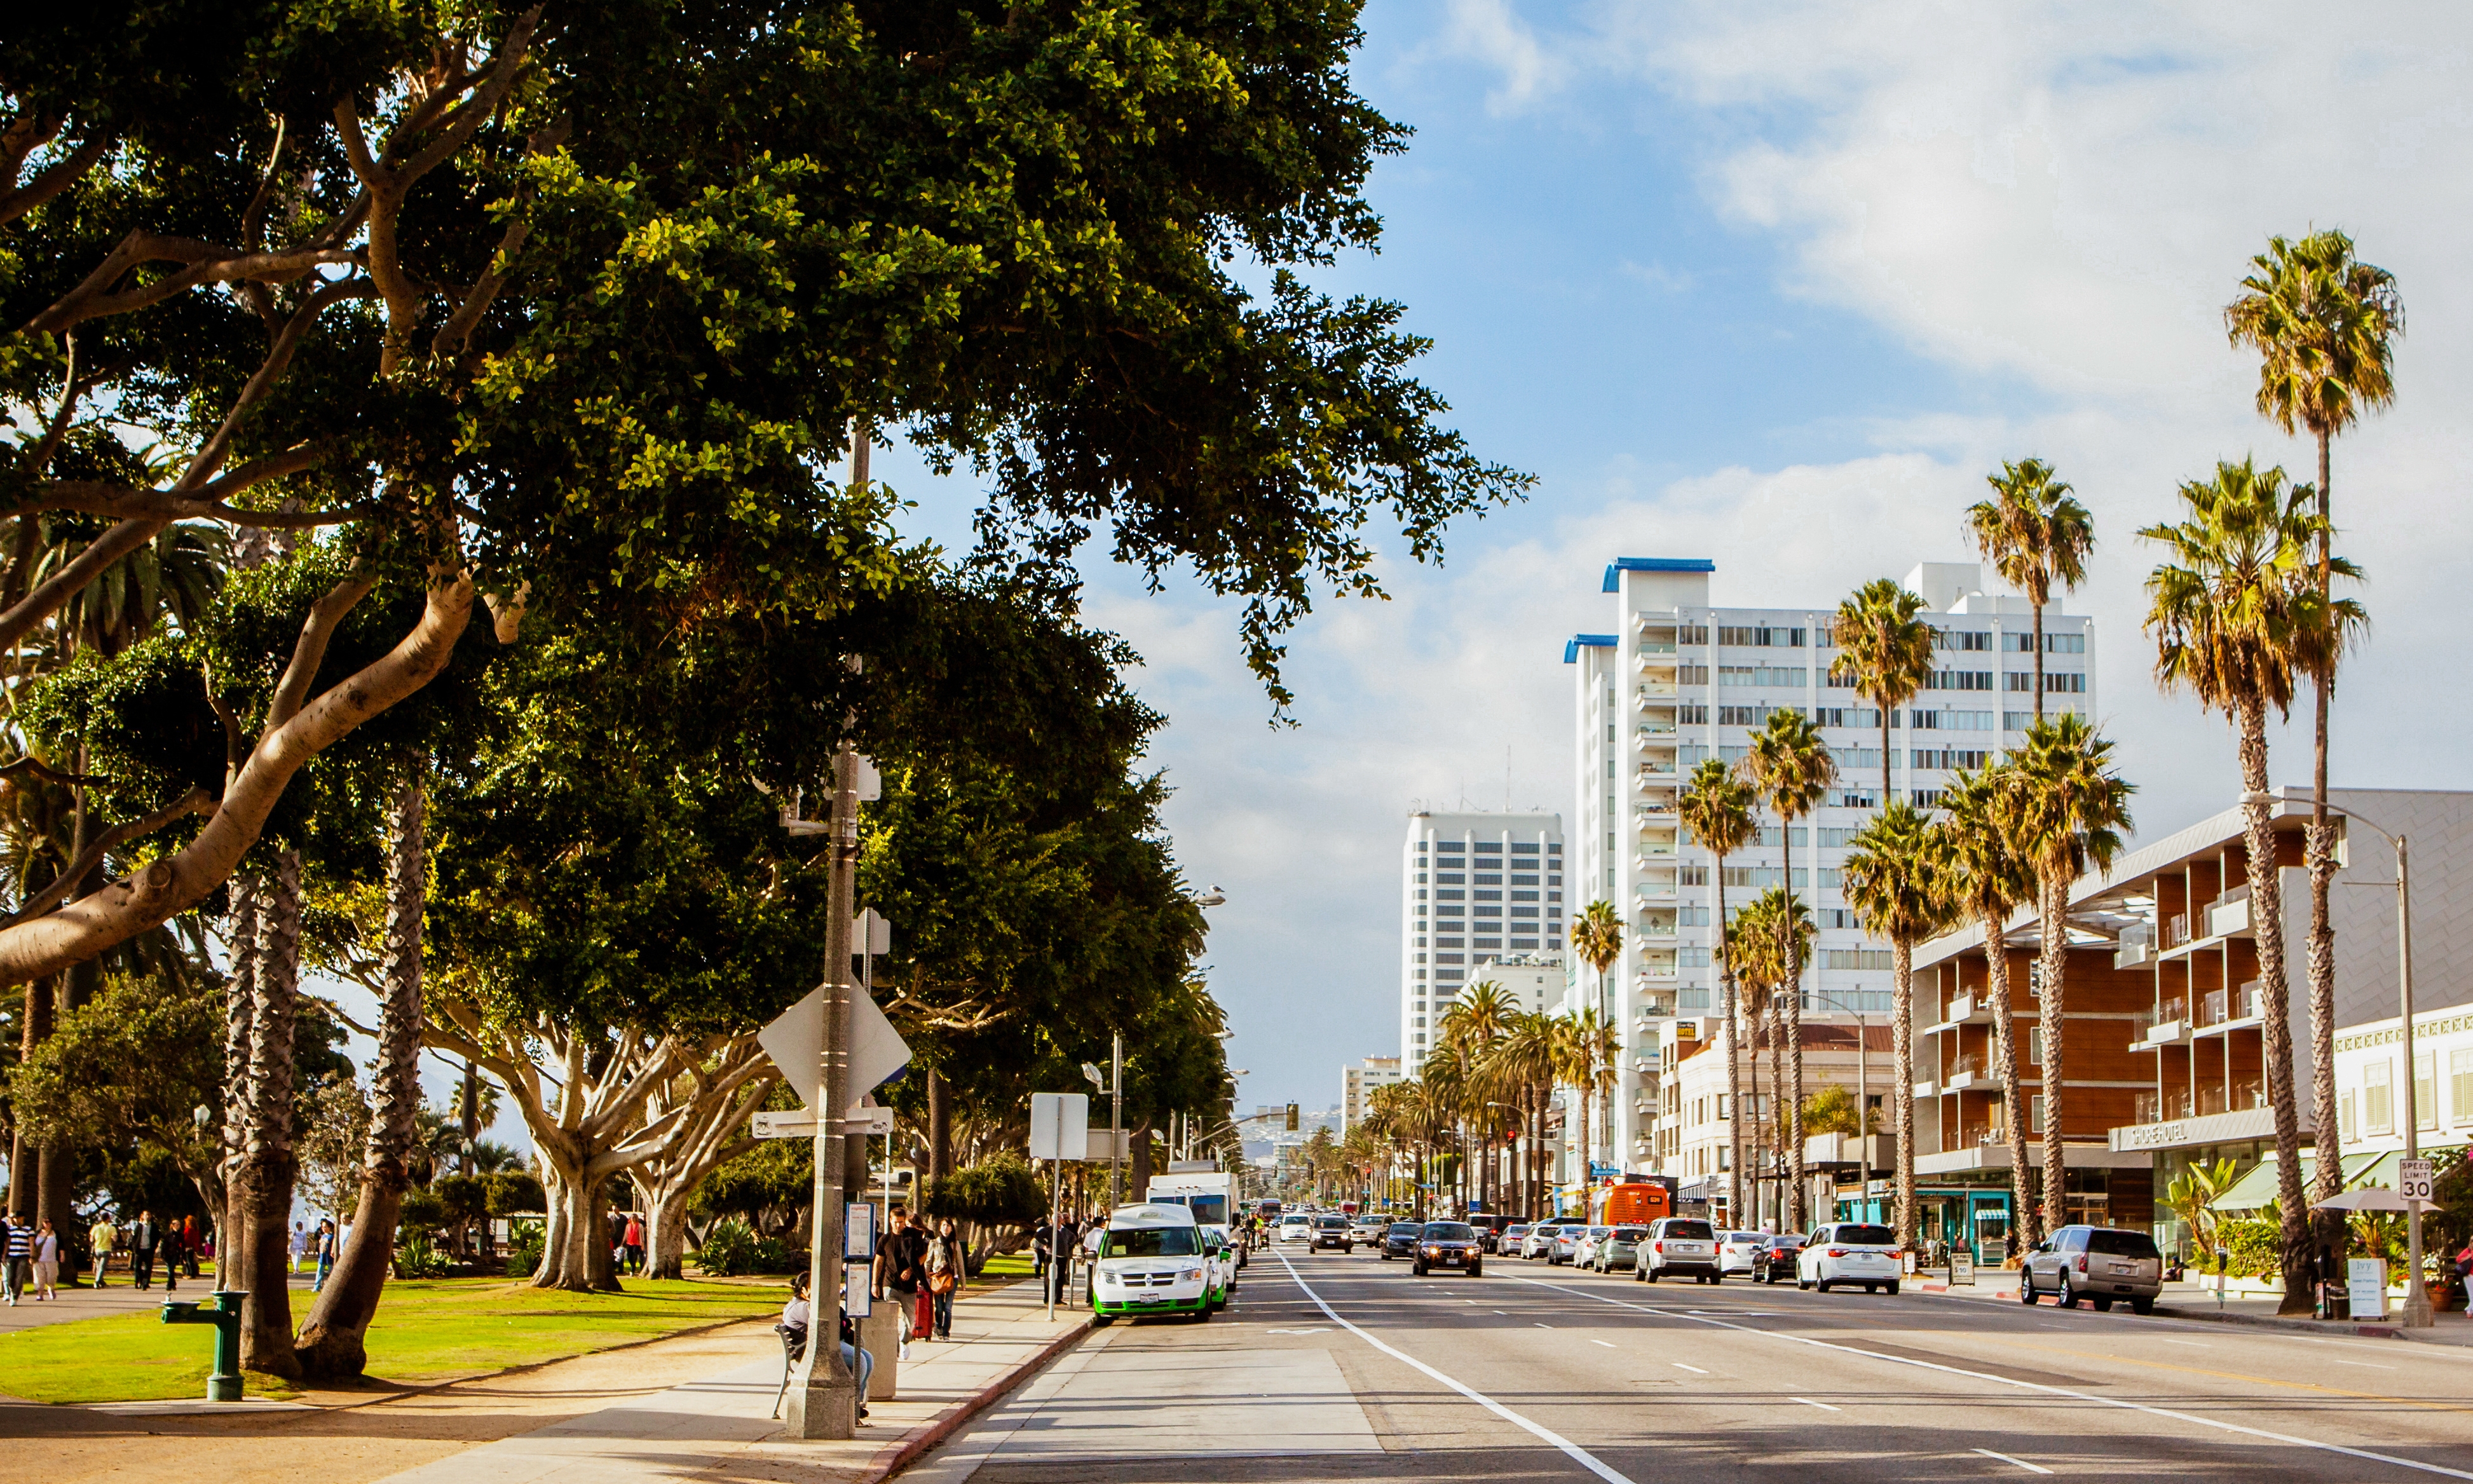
[
  {"x": 2102, "y": 1263},
  {"x": 1677, "y": 1247}
]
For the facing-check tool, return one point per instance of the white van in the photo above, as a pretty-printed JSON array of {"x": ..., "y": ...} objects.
[{"x": 1156, "y": 1259}]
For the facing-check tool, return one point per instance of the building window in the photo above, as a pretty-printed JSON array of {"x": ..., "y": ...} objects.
[
  {"x": 1694, "y": 958},
  {"x": 1553, "y": 846},
  {"x": 1418, "y": 1037},
  {"x": 2036, "y": 1045},
  {"x": 1445, "y": 894},
  {"x": 2459, "y": 1071},
  {"x": 2425, "y": 1091},
  {"x": 1519, "y": 895},
  {"x": 1517, "y": 849},
  {"x": 1958, "y": 679},
  {"x": 1691, "y": 714},
  {"x": 2035, "y": 1114},
  {"x": 2346, "y": 1129},
  {"x": 1961, "y": 639},
  {"x": 1521, "y": 880},
  {"x": 1450, "y": 943},
  {"x": 2377, "y": 1116},
  {"x": 1927, "y": 798},
  {"x": 1755, "y": 638},
  {"x": 1946, "y": 758},
  {"x": 1487, "y": 895},
  {"x": 1855, "y": 959},
  {"x": 1450, "y": 958}
]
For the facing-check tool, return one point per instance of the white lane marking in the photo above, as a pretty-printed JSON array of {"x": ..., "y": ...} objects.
[
  {"x": 1505, "y": 1313},
  {"x": 2193, "y": 1344},
  {"x": 2019, "y": 1462},
  {"x": 1316, "y": 1330},
  {"x": 2052, "y": 1391},
  {"x": 1570, "y": 1449},
  {"x": 1823, "y": 1405},
  {"x": 1695, "y": 1370},
  {"x": 2363, "y": 1364},
  {"x": 1608, "y": 1343}
]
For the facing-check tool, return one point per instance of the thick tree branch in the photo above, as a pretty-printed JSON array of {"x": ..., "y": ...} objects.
[
  {"x": 278, "y": 360},
  {"x": 51, "y": 181},
  {"x": 90, "y": 563},
  {"x": 196, "y": 801},
  {"x": 40, "y": 769},
  {"x": 208, "y": 263},
  {"x": 309, "y": 651}
]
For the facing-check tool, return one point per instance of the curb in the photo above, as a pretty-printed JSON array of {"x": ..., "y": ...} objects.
[
  {"x": 2317, "y": 1327},
  {"x": 895, "y": 1456}
]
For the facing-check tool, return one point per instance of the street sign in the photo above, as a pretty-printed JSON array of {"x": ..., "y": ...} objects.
[
  {"x": 870, "y": 933},
  {"x": 1060, "y": 1124},
  {"x": 799, "y": 1124},
  {"x": 1106, "y": 1144},
  {"x": 2365, "y": 1286},
  {"x": 795, "y": 1040},
  {"x": 2413, "y": 1179}
]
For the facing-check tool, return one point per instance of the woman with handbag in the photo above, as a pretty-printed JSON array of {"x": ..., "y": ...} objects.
[{"x": 948, "y": 1270}]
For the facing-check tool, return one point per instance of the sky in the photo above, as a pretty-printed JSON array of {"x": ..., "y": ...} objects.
[{"x": 1778, "y": 285}]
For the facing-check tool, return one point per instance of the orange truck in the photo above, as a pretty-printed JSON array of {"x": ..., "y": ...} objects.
[{"x": 1631, "y": 1204}]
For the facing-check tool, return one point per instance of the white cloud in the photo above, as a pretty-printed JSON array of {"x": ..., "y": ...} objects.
[{"x": 1490, "y": 33}]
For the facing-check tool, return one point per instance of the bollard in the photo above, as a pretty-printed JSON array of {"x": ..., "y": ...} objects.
[
  {"x": 879, "y": 1334},
  {"x": 223, "y": 1384}
]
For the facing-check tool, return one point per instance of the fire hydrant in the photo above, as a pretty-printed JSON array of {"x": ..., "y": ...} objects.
[{"x": 223, "y": 1383}]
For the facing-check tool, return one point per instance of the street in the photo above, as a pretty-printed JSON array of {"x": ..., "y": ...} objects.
[{"x": 1335, "y": 1366}]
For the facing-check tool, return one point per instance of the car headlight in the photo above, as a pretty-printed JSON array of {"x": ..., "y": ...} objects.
[
  {"x": 1191, "y": 1275},
  {"x": 1434, "y": 1252}
]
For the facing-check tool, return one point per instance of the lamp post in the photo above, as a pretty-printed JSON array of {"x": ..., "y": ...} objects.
[
  {"x": 1862, "y": 1087},
  {"x": 2416, "y": 1294}
]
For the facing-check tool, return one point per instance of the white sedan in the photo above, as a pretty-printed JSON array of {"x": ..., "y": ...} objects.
[
  {"x": 1850, "y": 1252},
  {"x": 1294, "y": 1227}
]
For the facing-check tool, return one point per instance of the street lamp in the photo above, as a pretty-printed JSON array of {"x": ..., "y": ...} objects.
[
  {"x": 1863, "y": 1086},
  {"x": 2417, "y": 1295}
]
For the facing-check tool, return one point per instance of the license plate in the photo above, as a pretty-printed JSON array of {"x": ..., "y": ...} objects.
[{"x": 2121, "y": 1270}]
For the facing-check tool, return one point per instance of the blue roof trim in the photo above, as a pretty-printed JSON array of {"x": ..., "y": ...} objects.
[
  {"x": 1580, "y": 641},
  {"x": 1654, "y": 565}
]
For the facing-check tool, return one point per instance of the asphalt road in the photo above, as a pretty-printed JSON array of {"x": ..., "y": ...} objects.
[{"x": 1348, "y": 1368}]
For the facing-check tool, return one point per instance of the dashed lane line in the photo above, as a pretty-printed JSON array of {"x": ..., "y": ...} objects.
[{"x": 2019, "y": 1462}]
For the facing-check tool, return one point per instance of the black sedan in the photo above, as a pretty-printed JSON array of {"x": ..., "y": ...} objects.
[
  {"x": 1449, "y": 1244},
  {"x": 1776, "y": 1262},
  {"x": 1333, "y": 1231},
  {"x": 1401, "y": 1240}
]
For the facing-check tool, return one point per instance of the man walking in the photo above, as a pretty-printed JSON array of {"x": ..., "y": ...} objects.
[
  {"x": 17, "y": 1253},
  {"x": 904, "y": 1275},
  {"x": 102, "y": 1237},
  {"x": 300, "y": 1246},
  {"x": 143, "y": 1238}
]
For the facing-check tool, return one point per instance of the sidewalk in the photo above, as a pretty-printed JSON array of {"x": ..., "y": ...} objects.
[
  {"x": 722, "y": 1424},
  {"x": 2189, "y": 1301}
]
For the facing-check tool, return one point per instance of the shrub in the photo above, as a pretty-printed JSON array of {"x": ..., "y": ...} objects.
[
  {"x": 1001, "y": 1190},
  {"x": 422, "y": 1210},
  {"x": 414, "y": 1256},
  {"x": 514, "y": 1190},
  {"x": 524, "y": 1246}
]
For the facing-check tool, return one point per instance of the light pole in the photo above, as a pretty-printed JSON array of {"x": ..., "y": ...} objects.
[
  {"x": 1863, "y": 1088},
  {"x": 2416, "y": 1294}
]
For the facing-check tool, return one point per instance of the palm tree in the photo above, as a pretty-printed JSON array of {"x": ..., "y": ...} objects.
[
  {"x": 1589, "y": 1053},
  {"x": 1989, "y": 881},
  {"x": 1715, "y": 808},
  {"x": 1894, "y": 883},
  {"x": 1472, "y": 1027},
  {"x": 2322, "y": 324},
  {"x": 1792, "y": 769},
  {"x": 1597, "y": 936},
  {"x": 2238, "y": 619},
  {"x": 2036, "y": 534},
  {"x": 1750, "y": 947},
  {"x": 1523, "y": 1064},
  {"x": 1886, "y": 648},
  {"x": 1776, "y": 931},
  {"x": 2071, "y": 812}
]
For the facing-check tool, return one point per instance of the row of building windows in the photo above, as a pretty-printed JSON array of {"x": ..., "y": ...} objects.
[
  {"x": 1773, "y": 636},
  {"x": 2377, "y": 1110},
  {"x": 1867, "y": 718}
]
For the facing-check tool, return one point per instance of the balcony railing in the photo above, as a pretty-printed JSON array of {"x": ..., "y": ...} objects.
[
  {"x": 1968, "y": 1065},
  {"x": 2176, "y": 929},
  {"x": 2147, "y": 1107},
  {"x": 2171, "y": 1010},
  {"x": 1961, "y": 1007},
  {"x": 1979, "y": 1134}
]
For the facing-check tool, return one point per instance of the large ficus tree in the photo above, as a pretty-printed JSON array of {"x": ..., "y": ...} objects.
[{"x": 577, "y": 307}]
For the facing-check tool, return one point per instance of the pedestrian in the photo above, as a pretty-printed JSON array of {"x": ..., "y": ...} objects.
[
  {"x": 144, "y": 1238},
  {"x": 17, "y": 1256},
  {"x": 325, "y": 1247},
  {"x": 102, "y": 1237},
  {"x": 633, "y": 1240},
  {"x": 949, "y": 1273},
  {"x": 174, "y": 1252},
  {"x": 880, "y": 1271},
  {"x": 47, "y": 1263},
  {"x": 923, "y": 1242},
  {"x": 902, "y": 1278},
  {"x": 300, "y": 1246},
  {"x": 189, "y": 1244}
]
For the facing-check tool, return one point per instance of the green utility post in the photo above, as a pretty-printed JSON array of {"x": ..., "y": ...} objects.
[{"x": 224, "y": 1384}]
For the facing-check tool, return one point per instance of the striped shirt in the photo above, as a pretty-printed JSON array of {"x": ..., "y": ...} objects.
[{"x": 22, "y": 1241}]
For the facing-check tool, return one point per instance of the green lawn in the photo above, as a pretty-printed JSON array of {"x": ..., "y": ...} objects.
[
  {"x": 1014, "y": 1264},
  {"x": 426, "y": 1331}
]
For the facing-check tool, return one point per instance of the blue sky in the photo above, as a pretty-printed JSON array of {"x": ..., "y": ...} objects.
[{"x": 1777, "y": 285}]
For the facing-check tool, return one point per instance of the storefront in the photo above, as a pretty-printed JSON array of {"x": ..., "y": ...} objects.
[{"x": 2245, "y": 1136}]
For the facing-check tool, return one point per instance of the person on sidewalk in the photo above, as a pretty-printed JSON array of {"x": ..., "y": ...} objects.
[
  {"x": 300, "y": 1246},
  {"x": 795, "y": 1319},
  {"x": 922, "y": 1244},
  {"x": 325, "y": 1254},
  {"x": 102, "y": 1237},
  {"x": 949, "y": 1273},
  {"x": 174, "y": 1252},
  {"x": 633, "y": 1240},
  {"x": 17, "y": 1256},
  {"x": 144, "y": 1238},
  {"x": 903, "y": 1276},
  {"x": 190, "y": 1242},
  {"x": 47, "y": 1264}
]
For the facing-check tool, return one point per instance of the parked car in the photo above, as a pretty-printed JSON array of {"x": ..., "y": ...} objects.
[
  {"x": 1514, "y": 1238},
  {"x": 1584, "y": 1247},
  {"x": 1739, "y": 1252},
  {"x": 1617, "y": 1249},
  {"x": 1539, "y": 1240},
  {"x": 1332, "y": 1230},
  {"x": 1566, "y": 1246},
  {"x": 1678, "y": 1247},
  {"x": 1399, "y": 1240},
  {"x": 1294, "y": 1227},
  {"x": 1489, "y": 1229},
  {"x": 1449, "y": 1244},
  {"x": 1850, "y": 1252},
  {"x": 1778, "y": 1254},
  {"x": 2097, "y": 1263},
  {"x": 1152, "y": 1262}
]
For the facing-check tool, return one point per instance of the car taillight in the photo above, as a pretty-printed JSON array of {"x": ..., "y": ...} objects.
[
  {"x": 1837, "y": 1252},
  {"x": 2082, "y": 1263},
  {"x": 1657, "y": 1247}
]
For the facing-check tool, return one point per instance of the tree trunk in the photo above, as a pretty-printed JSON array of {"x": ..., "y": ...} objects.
[
  {"x": 240, "y": 1034},
  {"x": 2275, "y": 1023},
  {"x": 332, "y": 1344},
  {"x": 25, "y": 1155},
  {"x": 262, "y": 1256},
  {"x": 2024, "y": 1229},
  {"x": 2055, "y": 962},
  {"x": 939, "y": 1126},
  {"x": 1734, "y": 1054},
  {"x": 578, "y": 1260},
  {"x": 1902, "y": 1052},
  {"x": 1138, "y": 1162},
  {"x": 665, "y": 1205},
  {"x": 1792, "y": 958},
  {"x": 2328, "y": 1177},
  {"x": 1776, "y": 1169},
  {"x": 2039, "y": 671}
]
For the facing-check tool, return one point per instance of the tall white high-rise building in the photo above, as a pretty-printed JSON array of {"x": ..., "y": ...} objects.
[
  {"x": 1678, "y": 682},
  {"x": 1472, "y": 886},
  {"x": 1358, "y": 1083}
]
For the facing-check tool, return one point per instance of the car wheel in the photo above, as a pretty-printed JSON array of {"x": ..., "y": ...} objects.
[
  {"x": 2026, "y": 1286},
  {"x": 1419, "y": 1269},
  {"x": 1477, "y": 1270},
  {"x": 1102, "y": 1321},
  {"x": 1801, "y": 1282},
  {"x": 1201, "y": 1315},
  {"x": 2103, "y": 1305},
  {"x": 1822, "y": 1285},
  {"x": 2069, "y": 1296},
  {"x": 1893, "y": 1290},
  {"x": 1871, "y": 1287},
  {"x": 1652, "y": 1275},
  {"x": 2142, "y": 1305}
]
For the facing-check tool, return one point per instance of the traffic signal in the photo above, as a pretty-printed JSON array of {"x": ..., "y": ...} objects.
[{"x": 1292, "y": 1117}]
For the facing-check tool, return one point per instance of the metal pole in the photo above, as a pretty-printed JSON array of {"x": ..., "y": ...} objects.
[
  {"x": 1862, "y": 1112},
  {"x": 2417, "y": 1295},
  {"x": 1115, "y": 1115},
  {"x": 823, "y": 1396}
]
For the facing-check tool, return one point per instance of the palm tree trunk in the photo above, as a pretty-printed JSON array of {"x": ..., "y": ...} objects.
[
  {"x": 2266, "y": 930},
  {"x": 1734, "y": 1061},
  {"x": 1792, "y": 958},
  {"x": 1902, "y": 1051},
  {"x": 2054, "y": 962},
  {"x": 1884, "y": 752},
  {"x": 2023, "y": 1228},
  {"x": 240, "y": 1031},
  {"x": 2039, "y": 671},
  {"x": 264, "y": 1258},
  {"x": 2327, "y": 1181},
  {"x": 1777, "y": 1114},
  {"x": 333, "y": 1342}
]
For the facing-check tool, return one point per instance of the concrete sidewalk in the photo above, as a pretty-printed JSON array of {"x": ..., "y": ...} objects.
[
  {"x": 721, "y": 1425},
  {"x": 2189, "y": 1301}
]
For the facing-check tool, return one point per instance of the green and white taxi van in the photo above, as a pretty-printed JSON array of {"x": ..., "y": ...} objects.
[{"x": 1157, "y": 1260}]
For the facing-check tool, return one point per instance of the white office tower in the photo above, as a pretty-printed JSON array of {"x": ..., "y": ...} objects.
[
  {"x": 1677, "y": 681},
  {"x": 1472, "y": 886},
  {"x": 1358, "y": 1084}
]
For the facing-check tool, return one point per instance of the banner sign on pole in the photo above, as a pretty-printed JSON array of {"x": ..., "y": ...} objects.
[{"x": 858, "y": 1231}]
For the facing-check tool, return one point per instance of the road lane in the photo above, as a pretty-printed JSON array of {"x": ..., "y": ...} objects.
[{"x": 1531, "y": 1374}]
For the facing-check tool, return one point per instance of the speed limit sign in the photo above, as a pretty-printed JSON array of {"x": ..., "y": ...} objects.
[{"x": 2412, "y": 1179}]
